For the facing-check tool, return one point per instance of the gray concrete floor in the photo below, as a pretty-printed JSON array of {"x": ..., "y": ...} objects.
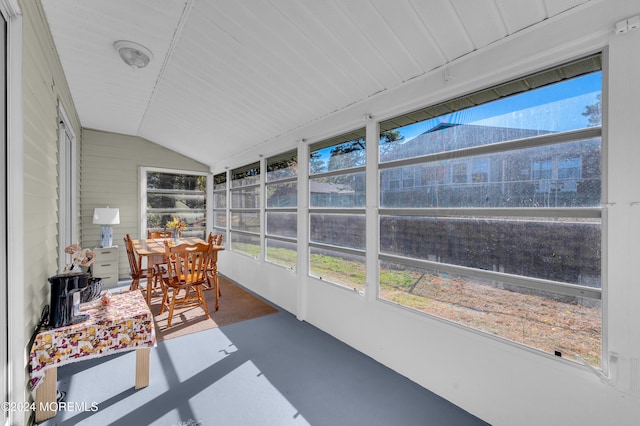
[{"x": 273, "y": 370}]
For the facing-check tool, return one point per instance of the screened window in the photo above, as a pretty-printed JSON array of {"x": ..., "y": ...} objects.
[
  {"x": 220, "y": 204},
  {"x": 281, "y": 197},
  {"x": 170, "y": 194},
  {"x": 336, "y": 213},
  {"x": 245, "y": 210},
  {"x": 504, "y": 232}
]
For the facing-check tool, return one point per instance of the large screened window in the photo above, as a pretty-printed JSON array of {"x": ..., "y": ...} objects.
[
  {"x": 281, "y": 210},
  {"x": 220, "y": 204},
  {"x": 245, "y": 210},
  {"x": 490, "y": 211},
  {"x": 171, "y": 193},
  {"x": 337, "y": 210}
]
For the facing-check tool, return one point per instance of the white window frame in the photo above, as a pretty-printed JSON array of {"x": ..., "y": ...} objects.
[
  {"x": 4, "y": 308},
  {"x": 267, "y": 209},
  {"x": 67, "y": 198},
  {"x": 215, "y": 209},
  {"x": 595, "y": 212},
  {"x": 143, "y": 170},
  {"x": 14, "y": 339},
  {"x": 354, "y": 211},
  {"x": 258, "y": 210}
]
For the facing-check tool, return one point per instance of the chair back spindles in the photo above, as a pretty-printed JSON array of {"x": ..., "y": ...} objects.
[
  {"x": 215, "y": 239},
  {"x": 186, "y": 274},
  {"x": 158, "y": 234}
]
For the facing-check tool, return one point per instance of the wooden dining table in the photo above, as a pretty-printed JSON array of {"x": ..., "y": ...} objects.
[{"x": 154, "y": 249}]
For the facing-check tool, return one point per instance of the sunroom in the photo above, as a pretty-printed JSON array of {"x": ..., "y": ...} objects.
[{"x": 447, "y": 187}]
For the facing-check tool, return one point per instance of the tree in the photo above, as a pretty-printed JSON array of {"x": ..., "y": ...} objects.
[
  {"x": 351, "y": 153},
  {"x": 347, "y": 155},
  {"x": 594, "y": 112}
]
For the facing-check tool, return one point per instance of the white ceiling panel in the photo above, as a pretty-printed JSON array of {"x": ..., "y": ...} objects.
[
  {"x": 555, "y": 7},
  {"x": 84, "y": 32},
  {"x": 383, "y": 40},
  {"x": 414, "y": 37},
  {"x": 228, "y": 75},
  {"x": 518, "y": 16},
  {"x": 350, "y": 75},
  {"x": 445, "y": 27},
  {"x": 357, "y": 44},
  {"x": 485, "y": 31}
]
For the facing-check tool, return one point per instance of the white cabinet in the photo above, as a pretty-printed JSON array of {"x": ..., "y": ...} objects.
[{"x": 106, "y": 265}]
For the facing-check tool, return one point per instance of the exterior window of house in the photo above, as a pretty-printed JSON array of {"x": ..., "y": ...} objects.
[
  {"x": 570, "y": 168},
  {"x": 245, "y": 210},
  {"x": 175, "y": 193},
  {"x": 337, "y": 210},
  {"x": 459, "y": 173},
  {"x": 281, "y": 213},
  {"x": 394, "y": 179},
  {"x": 408, "y": 177},
  {"x": 480, "y": 170},
  {"x": 220, "y": 204},
  {"x": 516, "y": 251},
  {"x": 542, "y": 169}
]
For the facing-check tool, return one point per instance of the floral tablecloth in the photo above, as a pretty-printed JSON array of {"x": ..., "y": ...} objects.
[{"x": 126, "y": 323}]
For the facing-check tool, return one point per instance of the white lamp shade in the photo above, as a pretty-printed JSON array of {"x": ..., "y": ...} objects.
[{"x": 106, "y": 216}]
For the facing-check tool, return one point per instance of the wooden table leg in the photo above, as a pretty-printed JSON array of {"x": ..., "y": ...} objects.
[
  {"x": 152, "y": 260},
  {"x": 142, "y": 367},
  {"x": 46, "y": 396}
]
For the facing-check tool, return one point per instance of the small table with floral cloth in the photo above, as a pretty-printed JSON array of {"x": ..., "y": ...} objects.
[{"x": 125, "y": 324}]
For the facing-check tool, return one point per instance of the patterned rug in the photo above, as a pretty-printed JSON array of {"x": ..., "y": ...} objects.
[{"x": 235, "y": 304}]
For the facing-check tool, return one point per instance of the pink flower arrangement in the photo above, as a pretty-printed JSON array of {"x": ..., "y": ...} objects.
[{"x": 79, "y": 258}]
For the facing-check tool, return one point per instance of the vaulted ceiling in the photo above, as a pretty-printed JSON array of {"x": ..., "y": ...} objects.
[{"x": 227, "y": 75}]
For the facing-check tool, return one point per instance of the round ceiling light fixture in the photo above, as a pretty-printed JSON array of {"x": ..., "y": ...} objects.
[{"x": 133, "y": 54}]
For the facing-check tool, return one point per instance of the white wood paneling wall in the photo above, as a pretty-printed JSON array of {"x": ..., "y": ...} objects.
[
  {"x": 44, "y": 86},
  {"x": 110, "y": 168}
]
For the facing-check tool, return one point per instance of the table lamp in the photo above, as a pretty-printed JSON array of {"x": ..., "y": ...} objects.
[{"x": 105, "y": 217}]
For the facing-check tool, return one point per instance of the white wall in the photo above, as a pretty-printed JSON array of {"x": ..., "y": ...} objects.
[
  {"x": 110, "y": 177},
  {"x": 501, "y": 382},
  {"x": 43, "y": 87}
]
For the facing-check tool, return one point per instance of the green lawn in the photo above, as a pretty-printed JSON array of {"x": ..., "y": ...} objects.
[{"x": 535, "y": 321}]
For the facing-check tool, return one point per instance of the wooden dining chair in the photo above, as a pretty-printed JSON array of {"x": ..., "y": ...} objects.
[
  {"x": 216, "y": 240},
  {"x": 158, "y": 234},
  {"x": 182, "y": 284},
  {"x": 135, "y": 264}
]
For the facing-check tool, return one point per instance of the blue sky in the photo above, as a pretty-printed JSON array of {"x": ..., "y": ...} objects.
[
  {"x": 557, "y": 107},
  {"x": 560, "y": 105}
]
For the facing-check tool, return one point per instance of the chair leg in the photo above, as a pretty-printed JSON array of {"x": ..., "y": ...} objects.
[
  {"x": 171, "y": 307},
  {"x": 165, "y": 299},
  {"x": 203, "y": 301},
  {"x": 157, "y": 281},
  {"x": 134, "y": 284},
  {"x": 216, "y": 288},
  {"x": 212, "y": 281}
]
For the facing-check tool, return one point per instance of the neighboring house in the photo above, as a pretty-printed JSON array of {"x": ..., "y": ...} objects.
[
  {"x": 331, "y": 194},
  {"x": 516, "y": 178}
]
